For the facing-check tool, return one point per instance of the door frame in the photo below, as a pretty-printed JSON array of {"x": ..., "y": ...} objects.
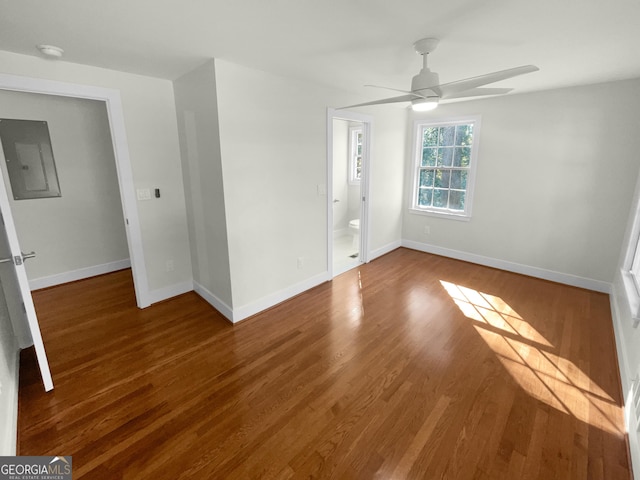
[
  {"x": 365, "y": 183},
  {"x": 115, "y": 114}
]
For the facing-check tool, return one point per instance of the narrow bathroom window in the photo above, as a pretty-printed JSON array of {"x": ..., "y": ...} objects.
[{"x": 355, "y": 155}]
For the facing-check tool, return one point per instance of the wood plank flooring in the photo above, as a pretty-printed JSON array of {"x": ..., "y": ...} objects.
[{"x": 413, "y": 366}]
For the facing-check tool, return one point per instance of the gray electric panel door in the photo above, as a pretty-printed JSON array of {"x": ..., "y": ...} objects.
[{"x": 29, "y": 157}]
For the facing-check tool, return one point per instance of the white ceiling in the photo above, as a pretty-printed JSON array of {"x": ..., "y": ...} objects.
[{"x": 340, "y": 43}]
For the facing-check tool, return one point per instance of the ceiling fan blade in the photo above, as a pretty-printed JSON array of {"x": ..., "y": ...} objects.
[
  {"x": 402, "y": 98},
  {"x": 395, "y": 90},
  {"x": 445, "y": 90},
  {"x": 478, "y": 92}
]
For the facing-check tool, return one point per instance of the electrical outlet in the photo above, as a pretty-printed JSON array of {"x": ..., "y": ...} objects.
[
  {"x": 300, "y": 262},
  {"x": 169, "y": 266},
  {"x": 427, "y": 230}
]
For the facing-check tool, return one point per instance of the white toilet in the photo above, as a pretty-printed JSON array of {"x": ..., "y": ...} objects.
[{"x": 354, "y": 230}]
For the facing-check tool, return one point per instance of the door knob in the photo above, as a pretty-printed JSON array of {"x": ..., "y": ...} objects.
[{"x": 28, "y": 255}]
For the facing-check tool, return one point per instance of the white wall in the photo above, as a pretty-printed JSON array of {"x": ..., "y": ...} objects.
[
  {"x": 8, "y": 382},
  {"x": 85, "y": 226},
  {"x": 553, "y": 186},
  {"x": 150, "y": 122},
  {"x": 388, "y": 158},
  {"x": 273, "y": 145},
  {"x": 197, "y": 109}
]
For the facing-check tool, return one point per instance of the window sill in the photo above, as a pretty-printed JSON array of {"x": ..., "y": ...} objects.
[
  {"x": 633, "y": 299},
  {"x": 435, "y": 213}
]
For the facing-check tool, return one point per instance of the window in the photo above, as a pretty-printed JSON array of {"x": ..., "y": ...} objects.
[
  {"x": 445, "y": 162},
  {"x": 355, "y": 154}
]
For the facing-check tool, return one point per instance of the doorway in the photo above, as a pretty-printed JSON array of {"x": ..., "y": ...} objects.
[
  {"x": 113, "y": 104},
  {"x": 349, "y": 139},
  {"x": 78, "y": 232}
]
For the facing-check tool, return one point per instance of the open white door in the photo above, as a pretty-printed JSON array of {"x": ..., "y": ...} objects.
[{"x": 15, "y": 284}]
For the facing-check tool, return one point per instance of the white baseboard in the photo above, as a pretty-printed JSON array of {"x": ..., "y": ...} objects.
[
  {"x": 378, "y": 252},
  {"x": 278, "y": 297},
  {"x": 73, "y": 275},
  {"x": 214, "y": 301},
  {"x": 166, "y": 293},
  {"x": 9, "y": 410},
  {"x": 573, "y": 280}
]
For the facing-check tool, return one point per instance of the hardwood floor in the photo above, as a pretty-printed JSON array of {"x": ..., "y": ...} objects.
[{"x": 413, "y": 366}]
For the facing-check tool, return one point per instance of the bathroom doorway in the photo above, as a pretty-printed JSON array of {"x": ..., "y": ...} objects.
[{"x": 348, "y": 161}]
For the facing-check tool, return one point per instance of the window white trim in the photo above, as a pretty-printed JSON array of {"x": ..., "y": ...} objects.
[
  {"x": 354, "y": 174},
  {"x": 631, "y": 263},
  {"x": 418, "y": 128}
]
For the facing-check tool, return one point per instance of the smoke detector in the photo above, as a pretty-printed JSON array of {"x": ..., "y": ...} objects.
[{"x": 51, "y": 51}]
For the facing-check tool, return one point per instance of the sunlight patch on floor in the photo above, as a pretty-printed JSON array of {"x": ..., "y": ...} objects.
[{"x": 532, "y": 360}]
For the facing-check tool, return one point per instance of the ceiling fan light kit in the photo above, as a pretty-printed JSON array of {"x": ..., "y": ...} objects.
[
  {"x": 424, "y": 104},
  {"x": 427, "y": 91}
]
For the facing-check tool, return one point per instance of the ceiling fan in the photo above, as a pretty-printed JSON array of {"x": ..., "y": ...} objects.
[{"x": 426, "y": 90}]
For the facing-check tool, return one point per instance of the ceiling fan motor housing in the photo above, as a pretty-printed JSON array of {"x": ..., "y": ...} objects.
[{"x": 425, "y": 79}]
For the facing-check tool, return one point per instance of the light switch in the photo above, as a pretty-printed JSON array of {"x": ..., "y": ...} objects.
[
  {"x": 322, "y": 189},
  {"x": 143, "y": 194}
]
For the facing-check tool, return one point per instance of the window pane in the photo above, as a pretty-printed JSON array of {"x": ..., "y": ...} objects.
[
  {"x": 464, "y": 135},
  {"x": 446, "y": 136},
  {"x": 426, "y": 178},
  {"x": 440, "y": 198},
  {"x": 429, "y": 157},
  {"x": 459, "y": 179},
  {"x": 442, "y": 178},
  {"x": 462, "y": 157},
  {"x": 445, "y": 157},
  {"x": 424, "y": 197},
  {"x": 430, "y": 137},
  {"x": 456, "y": 200}
]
